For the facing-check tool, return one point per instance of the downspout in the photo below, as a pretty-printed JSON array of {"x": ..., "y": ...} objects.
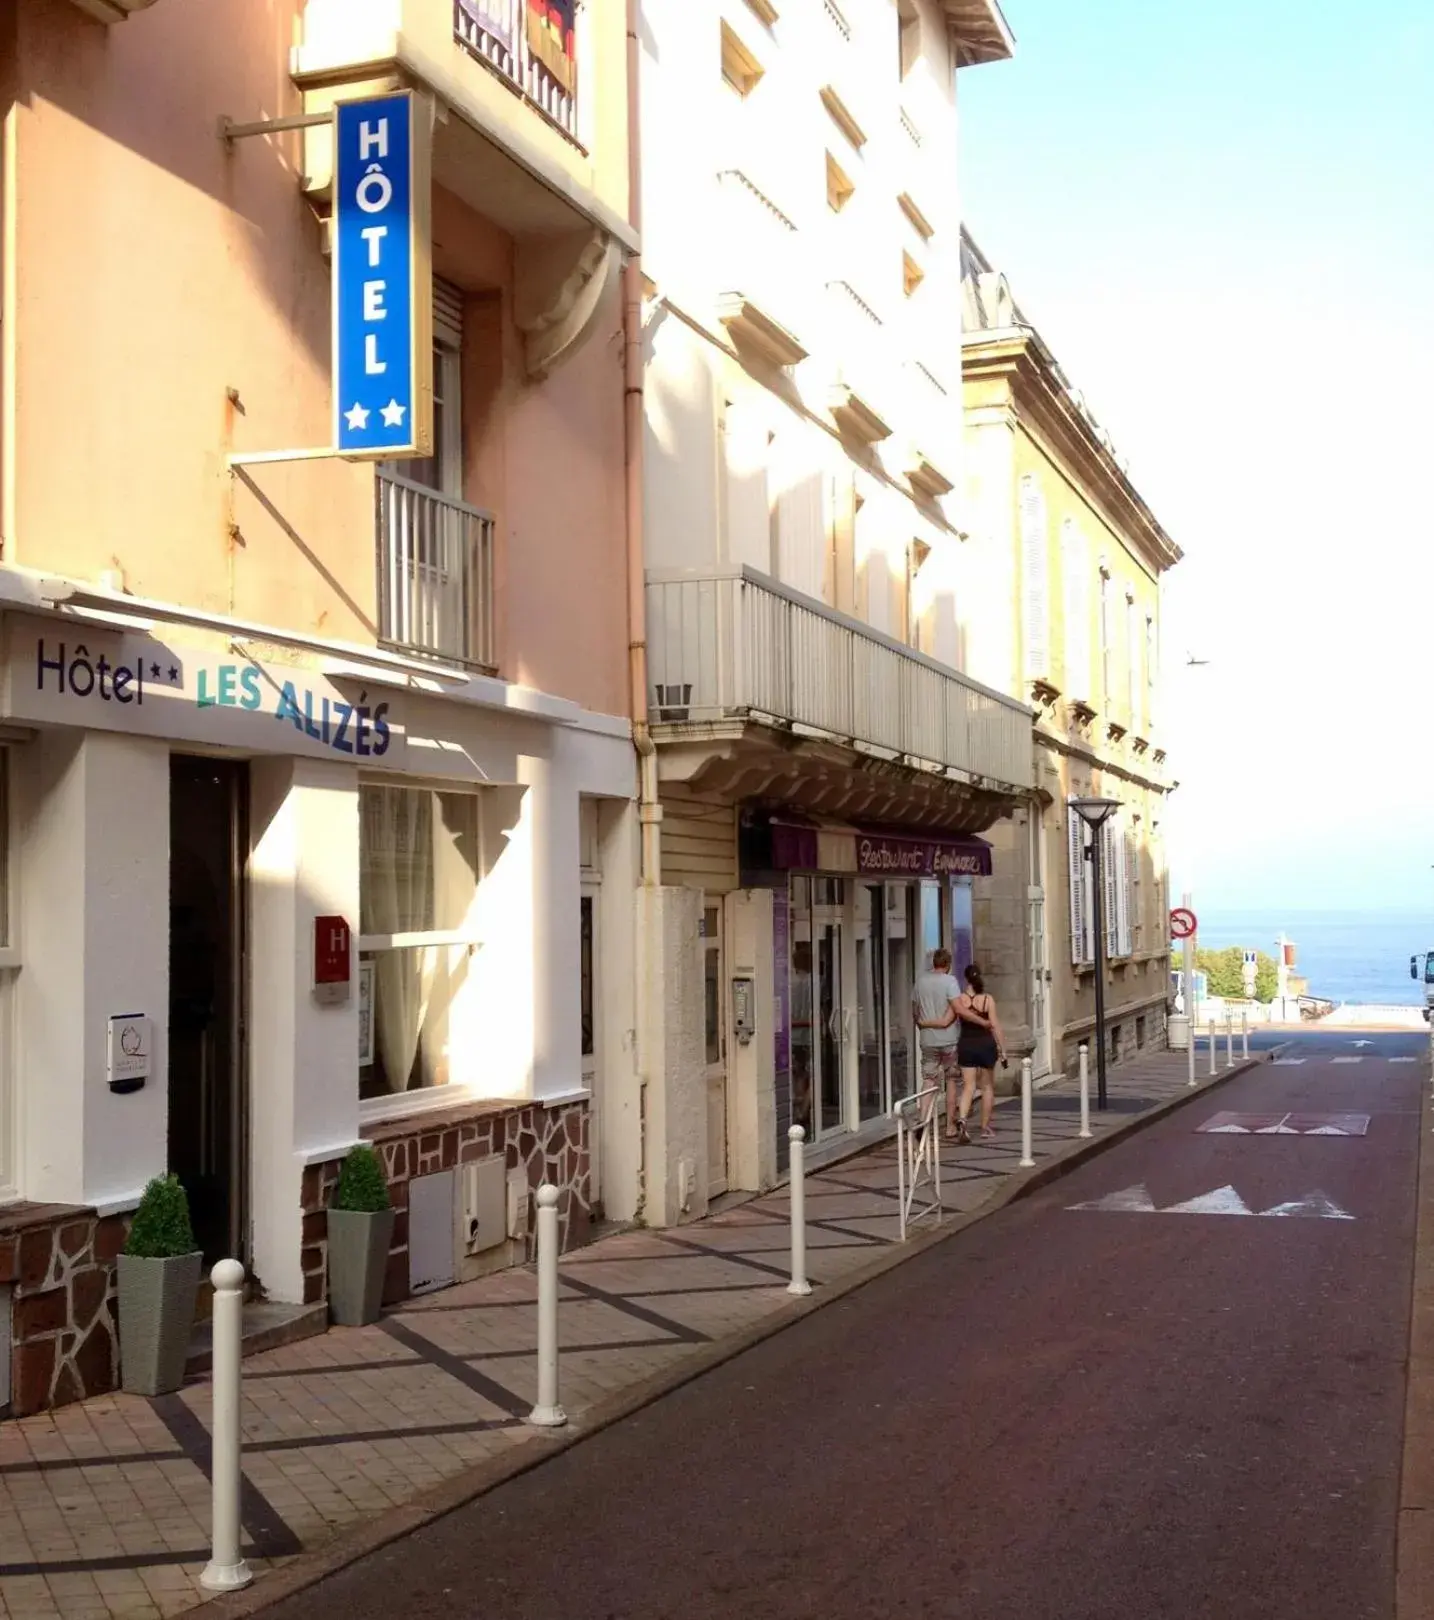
[{"x": 648, "y": 809}]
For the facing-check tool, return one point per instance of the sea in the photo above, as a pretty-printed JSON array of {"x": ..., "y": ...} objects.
[{"x": 1347, "y": 956}]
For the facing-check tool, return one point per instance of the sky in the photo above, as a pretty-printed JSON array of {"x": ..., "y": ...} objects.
[{"x": 1221, "y": 219}]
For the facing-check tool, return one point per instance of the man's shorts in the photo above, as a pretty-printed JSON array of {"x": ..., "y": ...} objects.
[{"x": 938, "y": 1063}]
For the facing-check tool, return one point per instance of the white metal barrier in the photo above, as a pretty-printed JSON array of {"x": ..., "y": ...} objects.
[
  {"x": 226, "y": 1570},
  {"x": 1027, "y": 1156},
  {"x": 797, "y": 1198},
  {"x": 1085, "y": 1086},
  {"x": 918, "y": 1154},
  {"x": 548, "y": 1413}
]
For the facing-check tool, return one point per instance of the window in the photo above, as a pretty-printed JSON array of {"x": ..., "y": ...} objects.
[
  {"x": 912, "y": 275},
  {"x": 9, "y": 962},
  {"x": 741, "y": 70},
  {"x": 764, "y": 9},
  {"x": 420, "y": 861},
  {"x": 1133, "y": 649},
  {"x": 1115, "y": 853},
  {"x": 1151, "y": 665},
  {"x": 843, "y": 117},
  {"x": 839, "y": 186},
  {"x": 434, "y": 552},
  {"x": 1105, "y": 638},
  {"x": 908, "y": 27},
  {"x": 1035, "y": 584},
  {"x": 1075, "y": 566}
]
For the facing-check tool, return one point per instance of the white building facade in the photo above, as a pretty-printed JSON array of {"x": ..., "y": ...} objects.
[{"x": 824, "y": 765}]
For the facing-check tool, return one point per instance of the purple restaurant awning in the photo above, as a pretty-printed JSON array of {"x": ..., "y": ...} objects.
[
  {"x": 872, "y": 852},
  {"x": 881, "y": 854}
]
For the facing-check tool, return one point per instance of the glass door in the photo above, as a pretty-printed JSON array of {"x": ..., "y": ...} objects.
[
  {"x": 902, "y": 967},
  {"x": 871, "y": 1009},
  {"x": 831, "y": 1017}
]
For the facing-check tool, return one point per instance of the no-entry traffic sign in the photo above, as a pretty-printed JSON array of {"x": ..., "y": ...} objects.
[{"x": 1182, "y": 923}]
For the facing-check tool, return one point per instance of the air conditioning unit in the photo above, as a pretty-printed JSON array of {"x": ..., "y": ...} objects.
[{"x": 674, "y": 703}]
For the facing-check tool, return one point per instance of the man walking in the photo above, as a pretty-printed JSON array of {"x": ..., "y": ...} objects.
[{"x": 931, "y": 1000}]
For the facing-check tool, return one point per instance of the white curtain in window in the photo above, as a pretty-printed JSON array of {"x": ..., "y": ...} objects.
[{"x": 398, "y": 899}]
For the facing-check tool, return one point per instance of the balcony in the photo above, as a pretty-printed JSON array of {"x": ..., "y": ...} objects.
[
  {"x": 761, "y": 294},
  {"x": 435, "y": 574},
  {"x": 507, "y": 35},
  {"x": 863, "y": 391},
  {"x": 731, "y": 646}
]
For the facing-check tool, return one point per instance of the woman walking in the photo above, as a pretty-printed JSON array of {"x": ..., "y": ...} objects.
[{"x": 980, "y": 1045}]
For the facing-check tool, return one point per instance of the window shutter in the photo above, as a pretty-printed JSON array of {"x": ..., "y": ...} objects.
[
  {"x": 1035, "y": 566},
  {"x": 1075, "y": 567},
  {"x": 1110, "y": 861},
  {"x": 798, "y": 514},
  {"x": 1119, "y": 856},
  {"x": 447, "y": 313},
  {"x": 1082, "y": 947},
  {"x": 1152, "y": 669},
  {"x": 1133, "y": 651},
  {"x": 746, "y": 515}
]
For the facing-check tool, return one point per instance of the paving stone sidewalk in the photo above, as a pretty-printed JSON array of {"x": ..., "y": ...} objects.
[{"x": 104, "y": 1506}]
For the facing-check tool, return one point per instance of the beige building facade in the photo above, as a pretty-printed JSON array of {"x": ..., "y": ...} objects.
[
  {"x": 254, "y": 689},
  {"x": 826, "y": 767},
  {"x": 1071, "y": 550}
]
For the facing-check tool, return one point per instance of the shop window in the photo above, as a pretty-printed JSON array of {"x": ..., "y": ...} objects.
[{"x": 420, "y": 866}]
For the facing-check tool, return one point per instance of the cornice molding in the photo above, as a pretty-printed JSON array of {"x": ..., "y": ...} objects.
[{"x": 1045, "y": 410}]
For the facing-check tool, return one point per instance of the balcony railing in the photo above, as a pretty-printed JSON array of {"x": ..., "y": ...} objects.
[
  {"x": 729, "y": 643},
  {"x": 435, "y": 573},
  {"x": 498, "y": 33}
]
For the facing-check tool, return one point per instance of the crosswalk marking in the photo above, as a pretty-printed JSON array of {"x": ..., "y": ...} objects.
[
  {"x": 1404, "y": 1060},
  {"x": 1287, "y": 1063},
  {"x": 1347, "y": 1060}
]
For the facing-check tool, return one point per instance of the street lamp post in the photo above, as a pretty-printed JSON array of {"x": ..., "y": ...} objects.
[{"x": 1095, "y": 812}]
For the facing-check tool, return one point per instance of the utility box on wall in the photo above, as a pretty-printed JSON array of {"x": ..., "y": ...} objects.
[
  {"x": 431, "y": 1256},
  {"x": 483, "y": 1205}
]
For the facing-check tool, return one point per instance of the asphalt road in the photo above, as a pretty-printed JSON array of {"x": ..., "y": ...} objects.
[{"x": 1060, "y": 1414}]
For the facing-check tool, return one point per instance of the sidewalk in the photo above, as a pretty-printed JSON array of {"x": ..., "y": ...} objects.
[{"x": 104, "y": 1506}]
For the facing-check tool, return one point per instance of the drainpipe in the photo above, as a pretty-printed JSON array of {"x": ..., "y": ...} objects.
[{"x": 648, "y": 809}]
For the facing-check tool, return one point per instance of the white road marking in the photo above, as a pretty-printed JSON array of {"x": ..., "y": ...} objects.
[
  {"x": 1277, "y": 1130},
  {"x": 1347, "y": 1060},
  {"x": 1223, "y": 1201},
  {"x": 1220, "y": 1201},
  {"x": 1134, "y": 1201},
  {"x": 1317, "y": 1204},
  {"x": 1288, "y": 1063},
  {"x": 1404, "y": 1060}
]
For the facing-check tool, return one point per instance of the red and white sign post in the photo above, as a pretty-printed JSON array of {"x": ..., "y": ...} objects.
[{"x": 1184, "y": 927}]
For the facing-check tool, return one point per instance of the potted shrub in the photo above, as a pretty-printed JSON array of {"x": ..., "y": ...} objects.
[
  {"x": 360, "y": 1233},
  {"x": 159, "y": 1269}
]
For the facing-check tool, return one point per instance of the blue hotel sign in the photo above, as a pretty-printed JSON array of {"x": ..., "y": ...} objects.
[{"x": 382, "y": 278}]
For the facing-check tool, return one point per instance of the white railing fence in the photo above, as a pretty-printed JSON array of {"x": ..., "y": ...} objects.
[
  {"x": 496, "y": 31},
  {"x": 731, "y": 642},
  {"x": 435, "y": 573},
  {"x": 918, "y": 1156}
]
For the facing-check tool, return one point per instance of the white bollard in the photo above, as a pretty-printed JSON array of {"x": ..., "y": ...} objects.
[
  {"x": 1085, "y": 1086},
  {"x": 548, "y": 1413},
  {"x": 797, "y": 1188},
  {"x": 1245, "y": 1034},
  {"x": 1026, "y": 1160},
  {"x": 1229, "y": 1039},
  {"x": 226, "y": 1570},
  {"x": 1190, "y": 1055},
  {"x": 1214, "y": 1039}
]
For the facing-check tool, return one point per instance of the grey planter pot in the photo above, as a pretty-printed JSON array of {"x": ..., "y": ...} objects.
[
  {"x": 156, "y": 1318},
  {"x": 358, "y": 1257}
]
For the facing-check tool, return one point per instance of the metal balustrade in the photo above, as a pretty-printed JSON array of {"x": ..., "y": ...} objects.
[
  {"x": 496, "y": 31},
  {"x": 435, "y": 573},
  {"x": 731, "y": 643}
]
